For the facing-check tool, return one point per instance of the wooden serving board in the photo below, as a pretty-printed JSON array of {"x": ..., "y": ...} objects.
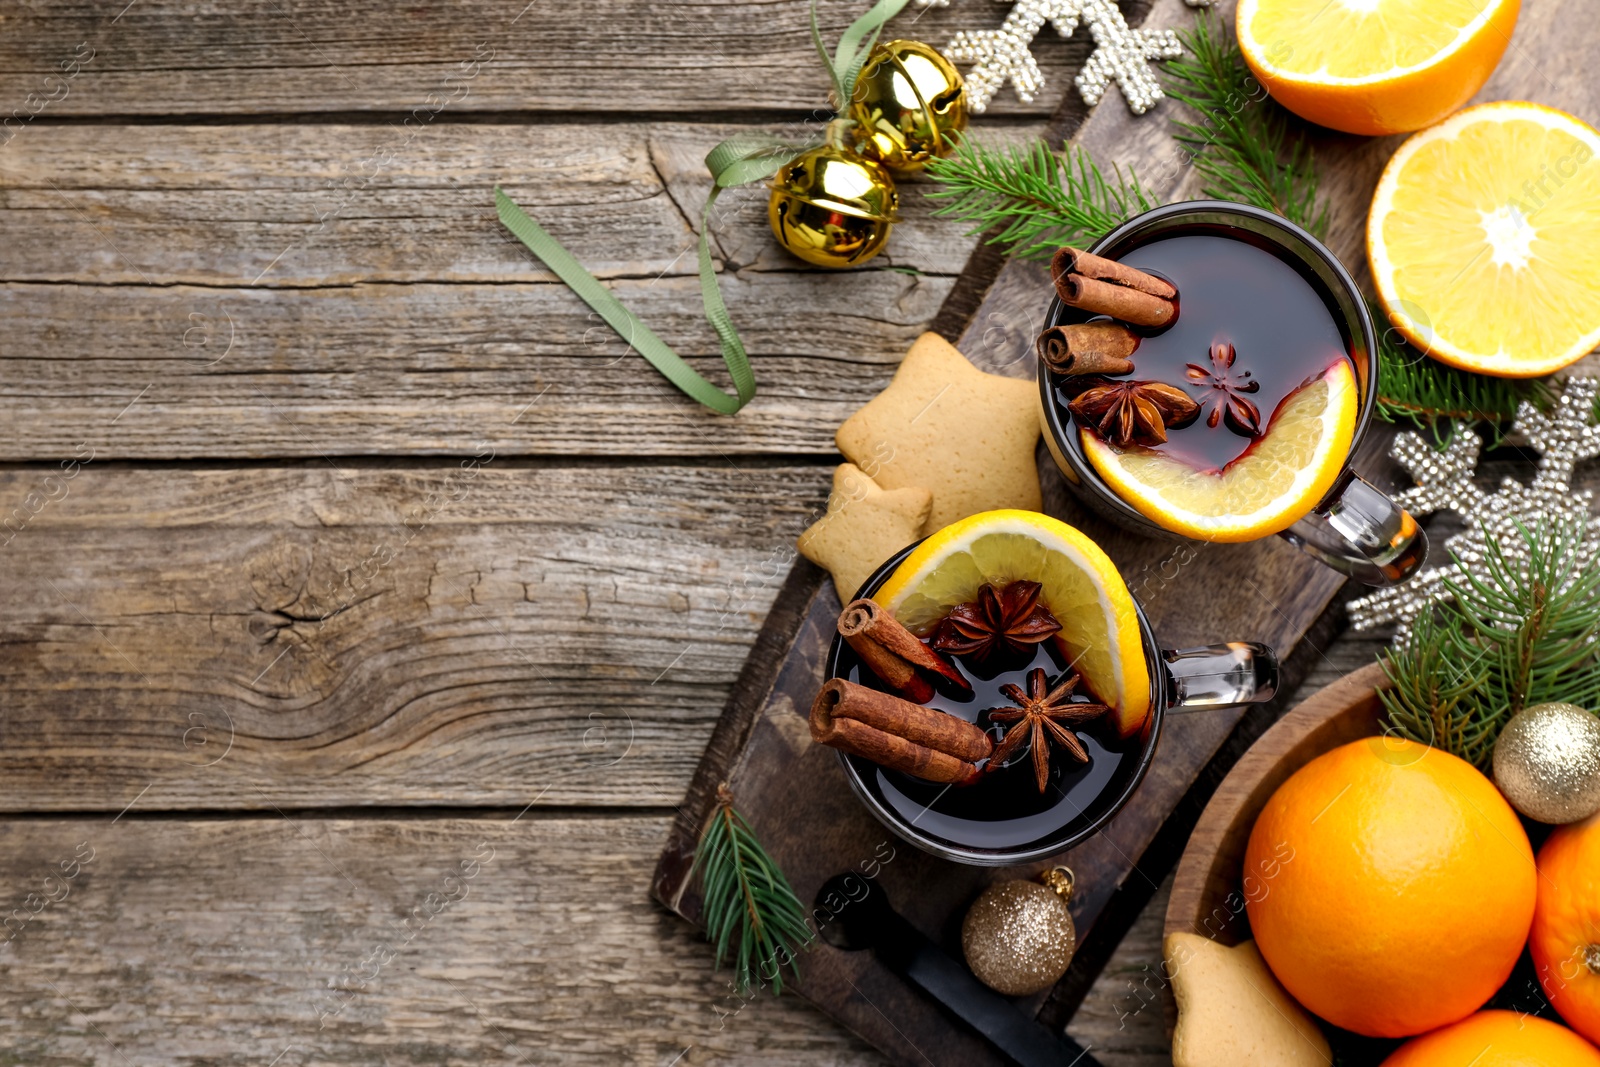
[{"x": 793, "y": 792}]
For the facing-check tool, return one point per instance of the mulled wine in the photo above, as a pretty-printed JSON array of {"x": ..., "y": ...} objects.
[
  {"x": 1250, "y": 330},
  {"x": 1004, "y": 808}
]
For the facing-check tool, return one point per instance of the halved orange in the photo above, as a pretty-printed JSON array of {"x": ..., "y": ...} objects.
[
  {"x": 1374, "y": 67},
  {"x": 1100, "y": 631},
  {"x": 1269, "y": 488},
  {"x": 1484, "y": 240}
]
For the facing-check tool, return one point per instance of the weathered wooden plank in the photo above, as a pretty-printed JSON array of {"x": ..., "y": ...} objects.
[
  {"x": 629, "y": 57},
  {"x": 342, "y": 635},
  {"x": 187, "y": 266},
  {"x": 298, "y": 940},
  {"x": 279, "y": 205},
  {"x": 180, "y": 371}
]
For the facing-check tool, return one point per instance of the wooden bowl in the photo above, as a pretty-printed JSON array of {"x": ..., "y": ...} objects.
[{"x": 1206, "y": 896}]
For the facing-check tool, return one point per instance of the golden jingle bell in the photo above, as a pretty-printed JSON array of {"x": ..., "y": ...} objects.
[
  {"x": 833, "y": 208},
  {"x": 908, "y": 100},
  {"x": 1018, "y": 936}
]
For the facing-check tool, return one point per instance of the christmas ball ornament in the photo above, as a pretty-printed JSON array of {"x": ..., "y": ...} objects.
[
  {"x": 1547, "y": 763},
  {"x": 1018, "y": 936},
  {"x": 833, "y": 208},
  {"x": 908, "y": 100}
]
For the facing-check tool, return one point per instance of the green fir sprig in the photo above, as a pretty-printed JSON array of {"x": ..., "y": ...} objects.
[
  {"x": 1246, "y": 148},
  {"x": 1240, "y": 142},
  {"x": 1508, "y": 637},
  {"x": 1430, "y": 396},
  {"x": 751, "y": 913},
  {"x": 1034, "y": 199}
]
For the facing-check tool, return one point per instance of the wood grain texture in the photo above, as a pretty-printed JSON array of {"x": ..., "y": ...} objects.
[
  {"x": 306, "y": 56},
  {"x": 384, "y": 369},
  {"x": 278, "y": 206},
  {"x": 321, "y": 635},
  {"x": 188, "y": 266},
  {"x": 338, "y": 941}
]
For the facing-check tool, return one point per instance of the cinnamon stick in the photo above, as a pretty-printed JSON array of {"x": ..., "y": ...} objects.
[
  {"x": 1088, "y": 348},
  {"x": 897, "y": 734},
  {"x": 893, "y": 652},
  {"x": 1105, "y": 287}
]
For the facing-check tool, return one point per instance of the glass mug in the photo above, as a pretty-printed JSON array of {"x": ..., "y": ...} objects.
[
  {"x": 1355, "y": 528},
  {"x": 990, "y": 824}
]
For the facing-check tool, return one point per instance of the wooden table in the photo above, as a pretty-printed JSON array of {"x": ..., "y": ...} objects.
[{"x": 366, "y": 605}]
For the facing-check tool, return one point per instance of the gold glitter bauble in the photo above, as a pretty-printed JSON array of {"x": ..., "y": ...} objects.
[
  {"x": 908, "y": 100},
  {"x": 1018, "y": 936},
  {"x": 832, "y": 208},
  {"x": 1547, "y": 763}
]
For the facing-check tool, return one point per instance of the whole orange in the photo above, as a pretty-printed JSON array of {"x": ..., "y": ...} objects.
[
  {"x": 1497, "y": 1039},
  {"x": 1390, "y": 887},
  {"x": 1566, "y": 924}
]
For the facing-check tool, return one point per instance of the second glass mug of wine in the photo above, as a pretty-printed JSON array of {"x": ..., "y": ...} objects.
[{"x": 1262, "y": 309}]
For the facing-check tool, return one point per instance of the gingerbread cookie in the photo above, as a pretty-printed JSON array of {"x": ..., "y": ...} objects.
[
  {"x": 1233, "y": 1013},
  {"x": 947, "y": 426},
  {"x": 865, "y": 524}
]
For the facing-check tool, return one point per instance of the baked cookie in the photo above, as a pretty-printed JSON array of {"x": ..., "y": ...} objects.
[
  {"x": 943, "y": 424},
  {"x": 864, "y": 525},
  {"x": 1233, "y": 1013}
]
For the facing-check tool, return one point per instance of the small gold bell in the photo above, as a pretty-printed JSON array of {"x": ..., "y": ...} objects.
[
  {"x": 832, "y": 208},
  {"x": 908, "y": 100}
]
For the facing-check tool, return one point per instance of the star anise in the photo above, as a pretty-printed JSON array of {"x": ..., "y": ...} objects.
[
  {"x": 1041, "y": 715},
  {"x": 1128, "y": 412},
  {"x": 1225, "y": 388},
  {"x": 1007, "y": 620}
]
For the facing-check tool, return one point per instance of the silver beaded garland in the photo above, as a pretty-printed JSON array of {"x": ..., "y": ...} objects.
[
  {"x": 1547, "y": 763},
  {"x": 1444, "y": 482},
  {"x": 1121, "y": 54}
]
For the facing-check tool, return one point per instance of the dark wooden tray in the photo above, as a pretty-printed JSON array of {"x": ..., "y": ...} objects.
[{"x": 795, "y": 796}]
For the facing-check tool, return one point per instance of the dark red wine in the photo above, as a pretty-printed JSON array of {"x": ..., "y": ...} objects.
[
  {"x": 1236, "y": 292},
  {"x": 1005, "y": 808}
]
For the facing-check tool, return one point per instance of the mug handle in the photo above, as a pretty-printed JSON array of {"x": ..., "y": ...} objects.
[
  {"x": 1221, "y": 676},
  {"x": 1359, "y": 531}
]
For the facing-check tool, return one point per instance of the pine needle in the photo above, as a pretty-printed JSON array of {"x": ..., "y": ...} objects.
[
  {"x": 1509, "y": 638},
  {"x": 1239, "y": 140},
  {"x": 751, "y": 913},
  {"x": 1423, "y": 393},
  {"x": 1038, "y": 200}
]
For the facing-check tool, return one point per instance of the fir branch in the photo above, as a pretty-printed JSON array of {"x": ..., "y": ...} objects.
[
  {"x": 1510, "y": 637},
  {"x": 1240, "y": 141},
  {"x": 751, "y": 913},
  {"x": 1428, "y": 395},
  {"x": 1038, "y": 200}
]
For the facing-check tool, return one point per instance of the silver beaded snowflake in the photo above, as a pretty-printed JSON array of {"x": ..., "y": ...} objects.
[
  {"x": 1444, "y": 482},
  {"x": 1121, "y": 54}
]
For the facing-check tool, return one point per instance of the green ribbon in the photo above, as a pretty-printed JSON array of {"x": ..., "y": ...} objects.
[
  {"x": 740, "y": 160},
  {"x": 855, "y": 44}
]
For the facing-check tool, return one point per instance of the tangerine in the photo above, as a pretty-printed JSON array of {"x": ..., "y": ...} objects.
[
  {"x": 1566, "y": 924},
  {"x": 1497, "y": 1039},
  {"x": 1394, "y": 887}
]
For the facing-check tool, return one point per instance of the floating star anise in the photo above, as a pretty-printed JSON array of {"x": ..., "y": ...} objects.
[
  {"x": 1225, "y": 388},
  {"x": 1042, "y": 715},
  {"x": 1134, "y": 412},
  {"x": 1007, "y": 620}
]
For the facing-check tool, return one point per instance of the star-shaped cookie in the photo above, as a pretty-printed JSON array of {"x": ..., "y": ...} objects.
[
  {"x": 943, "y": 424},
  {"x": 1232, "y": 1011},
  {"x": 865, "y": 524}
]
